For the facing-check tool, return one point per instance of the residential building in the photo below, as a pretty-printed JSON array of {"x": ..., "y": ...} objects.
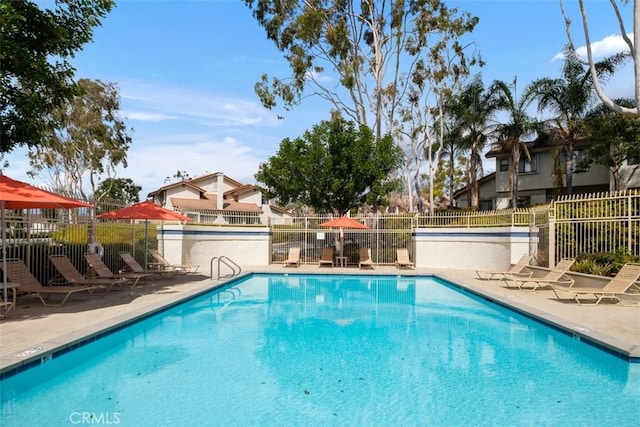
[
  {"x": 217, "y": 198},
  {"x": 537, "y": 181}
]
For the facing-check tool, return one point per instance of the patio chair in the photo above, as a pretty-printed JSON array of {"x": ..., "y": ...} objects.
[
  {"x": 618, "y": 285},
  {"x": 18, "y": 272},
  {"x": 72, "y": 277},
  {"x": 402, "y": 258},
  {"x": 520, "y": 269},
  {"x": 327, "y": 256},
  {"x": 365, "y": 258},
  {"x": 162, "y": 263},
  {"x": 103, "y": 271},
  {"x": 294, "y": 258},
  {"x": 131, "y": 265},
  {"x": 556, "y": 276}
]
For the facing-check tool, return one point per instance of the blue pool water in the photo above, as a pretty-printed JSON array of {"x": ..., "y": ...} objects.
[{"x": 316, "y": 350}]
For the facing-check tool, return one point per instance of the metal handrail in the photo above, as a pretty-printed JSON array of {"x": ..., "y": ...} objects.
[{"x": 229, "y": 263}]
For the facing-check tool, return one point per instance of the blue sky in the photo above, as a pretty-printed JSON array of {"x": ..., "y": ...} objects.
[{"x": 186, "y": 71}]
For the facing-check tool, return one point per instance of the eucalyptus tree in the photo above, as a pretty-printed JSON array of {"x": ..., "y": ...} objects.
[
  {"x": 633, "y": 47},
  {"x": 35, "y": 74},
  {"x": 365, "y": 47},
  {"x": 364, "y": 58},
  {"x": 517, "y": 129},
  {"x": 91, "y": 140},
  {"x": 473, "y": 110},
  {"x": 569, "y": 98}
]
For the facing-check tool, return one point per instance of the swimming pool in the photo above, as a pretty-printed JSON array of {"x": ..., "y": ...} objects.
[{"x": 329, "y": 350}]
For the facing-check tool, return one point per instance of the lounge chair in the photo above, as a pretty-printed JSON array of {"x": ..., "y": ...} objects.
[
  {"x": 365, "y": 258},
  {"x": 133, "y": 266},
  {"x": 556, "y": 276},
  {"x": 294, "y": 258},
  {"x": 18, "y": 272},
  {"x": 402, "y": 259},
  {"x": 520, "y": 269},
  {"x": 5, "y": 308},
  {"x": 162, "y": 263},
  {"x": 103, "y": 271},
  {"x": 327, "y": 256},
  {"x": 72, "y": 277},
  {"x": 618, "y": 285}
]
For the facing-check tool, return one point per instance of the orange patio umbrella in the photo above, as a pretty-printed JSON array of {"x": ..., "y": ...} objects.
[
  {"x": 342, "y": 223},
  {"x": 145, "y": 211},
  {"x": 16, "y": 194}
]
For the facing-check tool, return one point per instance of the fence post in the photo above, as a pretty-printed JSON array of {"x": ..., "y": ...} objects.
[
  {"x": 629, "y": 224},
  {"x": 552, "y": 235}
]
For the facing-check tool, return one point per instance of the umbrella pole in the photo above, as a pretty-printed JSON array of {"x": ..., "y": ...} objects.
[
  {"x": 146, "y": 242},
  {"x": 4, "y": 253}
]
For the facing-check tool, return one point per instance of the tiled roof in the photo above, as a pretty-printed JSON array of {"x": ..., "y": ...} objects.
[
  {"x": 240, "y": 190},
  {"x": 209, "y": 202},
  {"x": 175, "y": 184}
]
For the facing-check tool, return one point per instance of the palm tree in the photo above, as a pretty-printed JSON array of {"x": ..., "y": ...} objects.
[
  {"x": 472, "y": 109},
  {"x": 569, "y": 98},
  {"x": 513, "y": 134}
]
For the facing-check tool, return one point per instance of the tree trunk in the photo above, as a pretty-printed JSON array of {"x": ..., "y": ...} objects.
[
  {"x": 515, "y": 160},
  {"x": 569, "y": 168}
]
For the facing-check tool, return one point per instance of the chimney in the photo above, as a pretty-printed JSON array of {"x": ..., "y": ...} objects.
[{"x": 219, "y": 198}]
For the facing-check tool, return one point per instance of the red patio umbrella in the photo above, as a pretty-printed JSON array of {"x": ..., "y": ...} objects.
[
  {"x": 146, "y": 211},
  {"x": 16, "y": 194},
  {"x": 342, "y": 223}
]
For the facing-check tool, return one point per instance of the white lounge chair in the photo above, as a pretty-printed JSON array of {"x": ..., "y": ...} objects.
[
  {"x": 294, "y": 258},
  {"x": 162, "y": 263},
  {"x": 520, "y": 269},
  {"x": 365, "y": 259},
  {"x": 402, "y": 258},
  {"x": 618, "y": 285},
  {"x": 556, "y": 276}
]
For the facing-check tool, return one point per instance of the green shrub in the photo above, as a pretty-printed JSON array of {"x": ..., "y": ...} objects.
[{"x": 603, "y": 263}]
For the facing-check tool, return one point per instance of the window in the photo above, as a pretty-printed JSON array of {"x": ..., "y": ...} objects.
[
  {"x": 525, "y": 166},
  {"x": 485, "y": 205},
  {"x": 633, "y": 161},
  {"x": 578, "y": 156},
  {"x": 523, "y": 202},
  {"x": 504, "y": 165}
]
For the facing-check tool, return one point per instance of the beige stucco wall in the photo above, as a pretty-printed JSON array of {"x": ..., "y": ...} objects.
[
  {"x": 181, "y": 192},
  {"x": 192, "y": 244},
  {"x": 492, "y": 248}
]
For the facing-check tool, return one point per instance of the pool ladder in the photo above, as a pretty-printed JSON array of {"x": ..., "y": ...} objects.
[{"x": 235, "y": 268}]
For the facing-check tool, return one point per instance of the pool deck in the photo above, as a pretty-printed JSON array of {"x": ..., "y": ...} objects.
[{"x": 31, "y": 331}]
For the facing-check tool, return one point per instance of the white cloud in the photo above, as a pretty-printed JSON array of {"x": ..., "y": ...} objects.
[
  {"x": 608, "y": 46},
  {"x": 155, "y": 101},
  {"x": 145, "y": 116},
  {"x": 151, "y": 161}
]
